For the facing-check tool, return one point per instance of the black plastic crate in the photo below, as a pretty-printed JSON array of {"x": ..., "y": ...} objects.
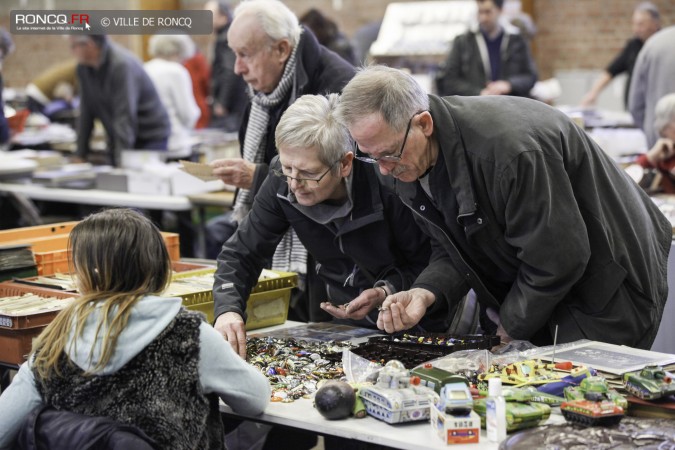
[
  {"x": 446, "y": 342},
  {"x": 416, "y": 348}
]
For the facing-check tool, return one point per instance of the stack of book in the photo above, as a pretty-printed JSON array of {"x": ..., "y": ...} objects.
[{"x": 16, "y": 261}]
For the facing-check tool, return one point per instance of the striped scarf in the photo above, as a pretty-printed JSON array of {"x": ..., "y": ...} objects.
[
  {"x": 290, "y": 255},
  {"x": 256, "y": 130}
]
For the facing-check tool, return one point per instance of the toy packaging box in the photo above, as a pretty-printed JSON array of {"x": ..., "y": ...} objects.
[{"x": 456, "y": 429}]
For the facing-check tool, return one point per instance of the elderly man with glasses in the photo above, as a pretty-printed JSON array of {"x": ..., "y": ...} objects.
[
  {"x": 364, "y": 240},
  {"x": 521, "y": 205}
]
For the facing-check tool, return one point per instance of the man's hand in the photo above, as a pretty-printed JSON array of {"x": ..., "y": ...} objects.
[
  {"x": 499, "y": 87},
  {"x": 493, "y": 315},
  {"x": 404, "y": 310},
  {"x": 588, "y": 100},
  {"x": 358, "y": 308},
  {"x": 234, "y": 171},
  {"x": 661, "y": 151},
  {"x": 218, "y": 110},
  {"x": 233, "y": 329}
]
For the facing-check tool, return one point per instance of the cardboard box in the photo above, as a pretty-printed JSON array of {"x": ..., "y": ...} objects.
[
  {"x": 456, "y": 430},
  {"x": 115, "y": 180}
]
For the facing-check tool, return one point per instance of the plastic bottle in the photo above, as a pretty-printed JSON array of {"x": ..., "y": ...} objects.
[{"x": 495, "y": 414}]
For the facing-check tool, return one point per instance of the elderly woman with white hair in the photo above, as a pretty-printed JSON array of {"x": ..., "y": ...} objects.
[
  {"x": 174, "y": 87},
  {"x": 662, "y": 155}
]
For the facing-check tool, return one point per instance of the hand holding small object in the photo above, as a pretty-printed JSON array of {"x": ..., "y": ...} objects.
[
  {"x": 358, "y": 308},
  {"x": 404, "y": 310},
  {"x": 234, "y": 171}
]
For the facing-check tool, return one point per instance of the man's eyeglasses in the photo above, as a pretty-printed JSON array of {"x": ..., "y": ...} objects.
[
  {"x": 358, "y": 154},
  {"x": 306, "y": 181}
]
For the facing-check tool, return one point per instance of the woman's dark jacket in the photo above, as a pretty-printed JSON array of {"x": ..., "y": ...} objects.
[{"x": 379, "y": 242}]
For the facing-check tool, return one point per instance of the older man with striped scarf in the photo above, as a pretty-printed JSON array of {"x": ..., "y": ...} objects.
[{"x": 280, "y": 61}]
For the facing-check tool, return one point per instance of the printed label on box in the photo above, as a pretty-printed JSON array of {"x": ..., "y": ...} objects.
[{"x": 456, "y": 430}]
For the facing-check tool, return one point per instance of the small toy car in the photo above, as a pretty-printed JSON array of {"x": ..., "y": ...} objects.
[
  {"x": 650, "y": 383},
  {"x": 456, "y": 399}
]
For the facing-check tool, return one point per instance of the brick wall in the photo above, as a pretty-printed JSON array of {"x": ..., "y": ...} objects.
[
  {"x": 572, "y": 34},
  {"x": 585, "y": 34}
]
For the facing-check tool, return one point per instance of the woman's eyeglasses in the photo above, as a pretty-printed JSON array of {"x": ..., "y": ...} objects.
[{"x": 306, "y": 181}]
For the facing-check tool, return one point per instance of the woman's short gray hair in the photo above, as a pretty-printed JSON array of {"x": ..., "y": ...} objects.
[
  {"x": 311, "y": 122},
  {"x": 167, "y": 46},
  {"x": 277, "y": 21},
  {"x": 664, "y": 112},
  {"x": 392, "y": 93}
]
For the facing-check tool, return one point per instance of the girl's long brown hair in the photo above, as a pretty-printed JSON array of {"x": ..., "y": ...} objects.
[{"x": 118, "y": 256}]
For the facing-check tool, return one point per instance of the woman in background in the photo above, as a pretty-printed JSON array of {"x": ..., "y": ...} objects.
[
  {"x": 123, "y": 352},
  {"x": 662, "y": 155},
  {"x": 174, "y": 86}
]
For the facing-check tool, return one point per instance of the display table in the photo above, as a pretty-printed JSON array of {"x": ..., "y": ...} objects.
[
  {"x": 302, "y": 415},
  {"x": 100, "y": 197}
]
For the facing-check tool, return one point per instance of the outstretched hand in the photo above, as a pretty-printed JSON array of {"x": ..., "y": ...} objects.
[
  {"x": 234, "y": 171},
  {"x": 404, "y": 310},
  {"x": 358, "y": 308}
]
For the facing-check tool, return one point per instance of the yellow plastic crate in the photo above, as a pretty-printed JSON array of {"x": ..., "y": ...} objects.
[{"x": 266, "y": 306}]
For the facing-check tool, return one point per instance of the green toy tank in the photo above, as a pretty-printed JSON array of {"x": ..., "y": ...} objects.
[
  {"x": 518, "y": 415},
  {"x": 592, "y": 412},
  {"x": 595, "y": 389},
  {"x": 650, "y": 383}
]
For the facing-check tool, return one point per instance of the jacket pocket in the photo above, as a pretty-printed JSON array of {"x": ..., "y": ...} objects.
[{"x": 592, "y": 293}]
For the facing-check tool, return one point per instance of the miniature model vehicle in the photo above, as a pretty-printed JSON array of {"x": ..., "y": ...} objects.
[
  {"x": 530, "y": 394},
  {"x": 436, "y": 378},
  {"x": 456, "y": 399},
  {"x": 591, "y": 412},
  {"x": 595, "y": 389},
  {"x": 650, "y": 383},
  {"x": 549, "y": 378},
  {"x": 518, "y": 415},
  {"x": 394, "y": 398}
]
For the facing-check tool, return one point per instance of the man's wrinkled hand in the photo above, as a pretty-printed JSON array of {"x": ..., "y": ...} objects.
[
  {"x": 234, "y": 171},
  {"x": 232, "y": 327}
]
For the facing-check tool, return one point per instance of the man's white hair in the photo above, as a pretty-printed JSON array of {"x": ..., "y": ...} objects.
[{"x": 276, "y": 20}]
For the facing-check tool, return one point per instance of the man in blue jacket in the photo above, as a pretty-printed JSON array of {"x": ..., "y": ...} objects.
[{"x": 522, "y": 206}]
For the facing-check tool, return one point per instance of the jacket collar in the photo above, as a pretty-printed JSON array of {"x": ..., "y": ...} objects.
[
  {"x": 306, "y": 59},
  {"x": 452, "y": 149},
  {"x": 367, "y": 203}
]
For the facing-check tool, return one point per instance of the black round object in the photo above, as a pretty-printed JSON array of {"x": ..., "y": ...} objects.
[{"x": 335, "y": 400}]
